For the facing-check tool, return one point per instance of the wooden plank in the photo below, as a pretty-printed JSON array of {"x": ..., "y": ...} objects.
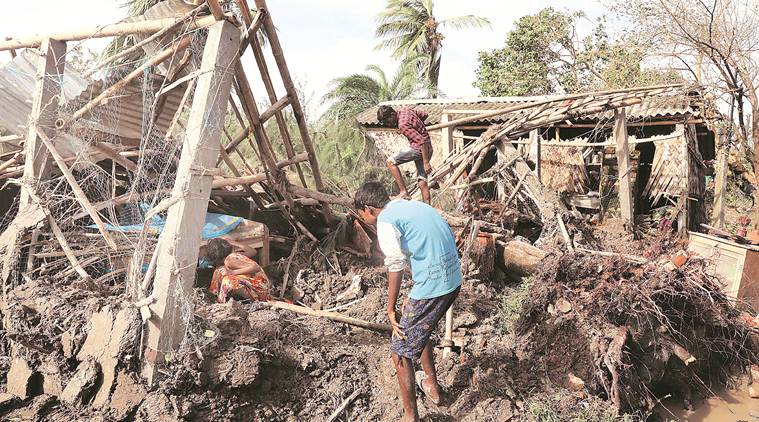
[
  {"x": 720, "y": 179},
  {"x": 623, "y": 166},
  {"x": 103, "y": 31},
  {"x": 44, "y": 113},
  {"x": 180, "y": 239}
]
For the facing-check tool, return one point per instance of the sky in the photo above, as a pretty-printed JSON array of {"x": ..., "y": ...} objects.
[{"x": 322, "y": 39}]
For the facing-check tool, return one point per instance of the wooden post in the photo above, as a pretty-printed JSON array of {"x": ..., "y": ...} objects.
[
  {"x": 683, "y": 204},
  {"x": 287, "y": 81},
  {"x": 180, "y": 240},
  {"x": 720, "y": 179},
  {"x": 623, "y": 166},
  {"x": 446, "y": 136},
  {"x": 538, "y": 141},
  {"x": 44, "y": 113}
]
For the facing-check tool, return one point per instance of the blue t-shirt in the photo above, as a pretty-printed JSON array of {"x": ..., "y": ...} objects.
[{"x": 416, "y": 232}]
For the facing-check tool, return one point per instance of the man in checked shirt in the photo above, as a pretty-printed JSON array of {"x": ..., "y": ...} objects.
[{"x": 411, "y": 124}]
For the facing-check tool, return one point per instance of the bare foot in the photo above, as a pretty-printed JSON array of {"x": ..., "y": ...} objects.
[
  {"x": 432, "y": 390},
  {"x": 403, "y": 195}
]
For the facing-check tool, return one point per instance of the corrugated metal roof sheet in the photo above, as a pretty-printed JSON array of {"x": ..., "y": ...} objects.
[
  {"x": 17, "y": 80},
  {"x": 655, "y": 107},
  {"x": 122, "y": 114}
]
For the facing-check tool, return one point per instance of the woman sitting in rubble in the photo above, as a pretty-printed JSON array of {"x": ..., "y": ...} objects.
[{"x": 235, "y": 274}]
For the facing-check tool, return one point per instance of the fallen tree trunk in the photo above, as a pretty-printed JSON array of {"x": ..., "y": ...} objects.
[
  {"x": 519, "y": 258},
  {"x": 334, "y": 316}
]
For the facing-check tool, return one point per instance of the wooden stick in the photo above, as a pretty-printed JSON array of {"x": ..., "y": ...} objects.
[
  {"x": 10, "y": 162},
  {"x": 321, "y": 197},
  {"x": 78, "y": 192},
  {"x": 112, "y": 30},
  {"x": 275, "y": 108},
  {"x": 343, "y": 406},
  {"x": 66, "y": 248},
  {"x": 565, "y": 234},
  {"x": 256, "y": 178},
  {"x": 286, "y": 277},
  {"x": 334, "y": 316},
  {"x": 189, "y": 15},
  {"x": 633, "y": 258},
  {"x": 516, "y": 189},
  {"x": 155, "y": 60}
]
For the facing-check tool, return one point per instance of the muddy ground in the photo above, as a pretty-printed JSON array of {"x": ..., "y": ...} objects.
[{"x": 522, "y": 353}]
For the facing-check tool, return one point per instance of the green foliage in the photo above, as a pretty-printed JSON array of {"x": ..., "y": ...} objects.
[
  {"x": 511, "y": 305},
  {"x": 410, "y": 29},
  {"x": 544, "y": 55},
  {"x": 354, "y": 93},
  {"x": 347, "y": 158},
  {"x": 560, "y": 408}
]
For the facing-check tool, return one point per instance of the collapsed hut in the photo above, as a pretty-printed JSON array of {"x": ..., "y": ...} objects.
[{"x": 659, "y": 145}]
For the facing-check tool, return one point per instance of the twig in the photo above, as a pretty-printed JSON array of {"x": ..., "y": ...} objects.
[
  {"x": 287, "y": 268},
  {"x": 343, "y": 406},
  {"x": 564, "y": 233}
]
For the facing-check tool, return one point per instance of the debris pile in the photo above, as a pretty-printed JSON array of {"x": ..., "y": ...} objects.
[{"x": 634, "y": 332}]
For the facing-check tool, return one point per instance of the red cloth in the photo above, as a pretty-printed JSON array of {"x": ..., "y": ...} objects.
[
  {"x": 255, "y": 287},
  {"x": 411, "y": 125}
]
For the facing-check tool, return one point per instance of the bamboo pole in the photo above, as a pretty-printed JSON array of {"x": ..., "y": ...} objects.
[
  {"x": 330, "y": 315},
  {"x": 263, "y": 70},
  {"x": 320, "y": 196},
  {"x": 155, "y": 60},
  {"x": 78, "y": 192},
  {"x": 287, "y": 81},
  {"x": 189, "y": 15},
  {"x": 111, "y": 30}
]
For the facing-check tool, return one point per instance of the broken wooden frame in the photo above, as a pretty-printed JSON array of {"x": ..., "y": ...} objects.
[
  {"x": 549, "y": 111},
  {"x": 220, "y": 84}
]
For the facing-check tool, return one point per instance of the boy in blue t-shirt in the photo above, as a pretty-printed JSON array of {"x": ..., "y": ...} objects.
[{"x": 412, "y": 232}]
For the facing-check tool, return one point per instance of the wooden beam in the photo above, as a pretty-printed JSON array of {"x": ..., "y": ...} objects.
[
  {"x": 623, "y": 166},
  {"x": 274, "y": 108},
  {"x": 263, "y": 70},
  {"x": 180, "y": 239},
  {"x": 45, "y": 99},
  {"x": 216, "y": 9},
  {"x": 720, "y": 180},
  {"x": 112, "y": 30}
]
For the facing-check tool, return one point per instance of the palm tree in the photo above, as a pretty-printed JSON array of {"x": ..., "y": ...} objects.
[
  {"x": 354, "y": 93},
  {"x": 411, "y": 30}
]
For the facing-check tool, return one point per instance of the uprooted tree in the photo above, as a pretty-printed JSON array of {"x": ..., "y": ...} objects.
[{"x": 715, "y": 43}]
